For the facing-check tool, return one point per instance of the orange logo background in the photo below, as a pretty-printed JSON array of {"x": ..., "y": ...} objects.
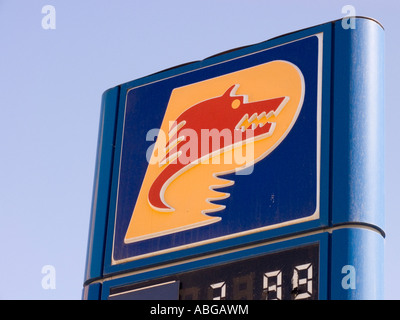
[{"x": 191, "y": 193}]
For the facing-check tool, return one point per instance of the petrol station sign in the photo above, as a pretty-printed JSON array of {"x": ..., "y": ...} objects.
[
  {"x": 215, "y": 167},
  {"x": 227, "y": 178}
]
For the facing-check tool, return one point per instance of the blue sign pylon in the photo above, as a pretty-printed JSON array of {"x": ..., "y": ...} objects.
[{"x": 266, "y": 159}]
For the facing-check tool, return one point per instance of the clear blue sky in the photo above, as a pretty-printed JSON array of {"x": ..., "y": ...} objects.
[{"x": 51, "y": 83}]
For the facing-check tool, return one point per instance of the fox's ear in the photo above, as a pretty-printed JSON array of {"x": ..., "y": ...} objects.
[{"x": 231, "y": 91}]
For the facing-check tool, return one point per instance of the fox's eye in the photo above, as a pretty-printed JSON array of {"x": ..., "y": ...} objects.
[{"x": 235, "y": 104}]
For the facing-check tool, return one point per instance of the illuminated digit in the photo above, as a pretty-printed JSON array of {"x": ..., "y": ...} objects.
[
  {"x": 274, "y": 287},
  {"x": 222, "y": 286},
  {"x": 296, "y": 282}
]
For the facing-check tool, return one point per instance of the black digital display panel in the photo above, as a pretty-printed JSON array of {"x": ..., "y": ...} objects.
[{"x": 283, "y": 275}]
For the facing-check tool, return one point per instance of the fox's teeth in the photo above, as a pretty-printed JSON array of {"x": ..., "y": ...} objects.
[
  {"x": 253, "y": 117},
  {"x": 263, "y": 114},
  {"x": 245, "y": 122}
]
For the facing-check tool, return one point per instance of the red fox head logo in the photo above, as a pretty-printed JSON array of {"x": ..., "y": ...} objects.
[{"x": 230, "y": 115}]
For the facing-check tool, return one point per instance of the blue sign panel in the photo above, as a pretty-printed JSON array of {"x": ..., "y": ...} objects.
[{"x": 208, "y": 193}]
